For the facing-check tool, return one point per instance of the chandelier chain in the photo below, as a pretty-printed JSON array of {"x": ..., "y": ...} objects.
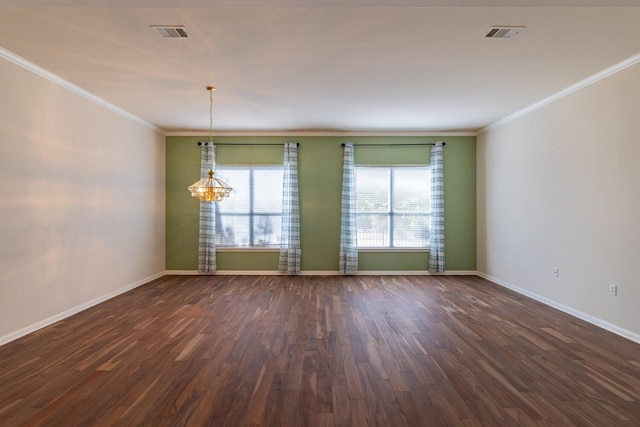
[
  {"x": 210, "y": 189},
  {"x": 211, "y": 89}
]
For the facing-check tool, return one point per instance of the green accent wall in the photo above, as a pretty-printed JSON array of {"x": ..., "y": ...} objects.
[{"x": 320, "y": 187}]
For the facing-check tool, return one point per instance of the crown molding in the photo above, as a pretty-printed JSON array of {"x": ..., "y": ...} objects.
[
  {"x": 36, "y": 69},
  {"x": 616, "y": 68},
  {"x": 318, "y": 133}
]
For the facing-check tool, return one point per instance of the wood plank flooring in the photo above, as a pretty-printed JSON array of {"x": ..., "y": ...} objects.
[{"x": 320, "y": 351}]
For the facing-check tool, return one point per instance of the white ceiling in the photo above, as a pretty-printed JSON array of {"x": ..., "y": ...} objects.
[{"x": 322, "y": 65}]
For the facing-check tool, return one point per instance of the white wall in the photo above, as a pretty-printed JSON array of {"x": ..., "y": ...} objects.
[
  {"x": 82, "y": 192},
  {"x": 560, "y": 187}
]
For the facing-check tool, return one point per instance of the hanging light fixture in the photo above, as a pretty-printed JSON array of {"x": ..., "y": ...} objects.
[{"x": 210, "y": 189}]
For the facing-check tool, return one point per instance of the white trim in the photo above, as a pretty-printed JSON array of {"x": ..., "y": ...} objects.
[
  {"x": 567, "y": 91},
  {"x": 319, "y": 133},
  {"x": 457, "y": 273},
  {"x": 223, "y": 273},
  {"x": 393, "y": 250},
  {"x": 625, "y": 333},
  {"x": 30, "y": 66},
  {"x": 576, "y": 313},
  {"x": 74, "y": 310},
  {"x": 416, "y": 273},
  {"x": 247, "y": 249},
  {"x": 181, "y": 273},
  {"x": 322, "y": 273},
  {"x": 246, "y": 273}
]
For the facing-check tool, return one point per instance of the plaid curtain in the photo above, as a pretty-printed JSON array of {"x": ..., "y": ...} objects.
[
  {"x": 436, "y": 240},
  {"x": 289, "y": 262},
  {"x": 348, "y": 229},
  {"x": 207, "y": 233}
]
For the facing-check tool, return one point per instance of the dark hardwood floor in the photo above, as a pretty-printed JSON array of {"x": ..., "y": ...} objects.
[{"x": 320, "y": 351}]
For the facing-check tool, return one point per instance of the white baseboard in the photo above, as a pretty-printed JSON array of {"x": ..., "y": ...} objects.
[
  {"x": 322, "y": 273},
  {"x": 571, "y": 311},
  {"x": 416, "y": 273},
  {"x": 181, "y": 272},
  {"x": 74, "y": 310},
  {"x": 566, "y": 309},
  {"x": 222, "y": 273}
]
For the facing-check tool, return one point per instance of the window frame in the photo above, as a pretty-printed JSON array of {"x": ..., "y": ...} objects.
[
  {"x": 251, "y": 214},
  {"x": 392, "y": 214}
]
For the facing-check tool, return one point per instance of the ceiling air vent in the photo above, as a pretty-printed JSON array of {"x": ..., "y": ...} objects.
[
  {"x": 171, "y": 32},
  {"x": 503, "y": 32}
]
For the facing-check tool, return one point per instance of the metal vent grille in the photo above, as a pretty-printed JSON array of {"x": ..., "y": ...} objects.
[
  {"x": 171, "y": 32},
  {"x": 503, "y": 32}
]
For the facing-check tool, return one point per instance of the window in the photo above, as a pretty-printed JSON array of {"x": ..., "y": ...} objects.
[
  {"x": 252, "y": 215},
  {"x": 393, "y": 206}
]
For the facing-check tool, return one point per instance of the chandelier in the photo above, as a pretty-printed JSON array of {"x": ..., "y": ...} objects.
[{"x": 210, "y": 189}]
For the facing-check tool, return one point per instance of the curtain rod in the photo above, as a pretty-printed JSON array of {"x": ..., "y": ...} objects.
[
  {"x": 222, "y": 143},
  {"x": 396, "y": 145}
]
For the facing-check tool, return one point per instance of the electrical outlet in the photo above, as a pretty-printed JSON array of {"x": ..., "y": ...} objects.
[
  {"x": 556, "y": 272},
  {"x": 613, "y": 290}
]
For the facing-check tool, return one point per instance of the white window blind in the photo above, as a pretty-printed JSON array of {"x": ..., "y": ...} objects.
[
  {"x": 393, "y": 206},
  {"x": 252, "y": 215}
]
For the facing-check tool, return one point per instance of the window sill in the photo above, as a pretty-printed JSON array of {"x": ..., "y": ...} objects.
[
  {"x": 393, "y": 250},
  {"x": 247, "y": 249}
]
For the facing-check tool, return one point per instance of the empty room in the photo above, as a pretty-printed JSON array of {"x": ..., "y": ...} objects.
[{"x": 319, "y": 213}]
